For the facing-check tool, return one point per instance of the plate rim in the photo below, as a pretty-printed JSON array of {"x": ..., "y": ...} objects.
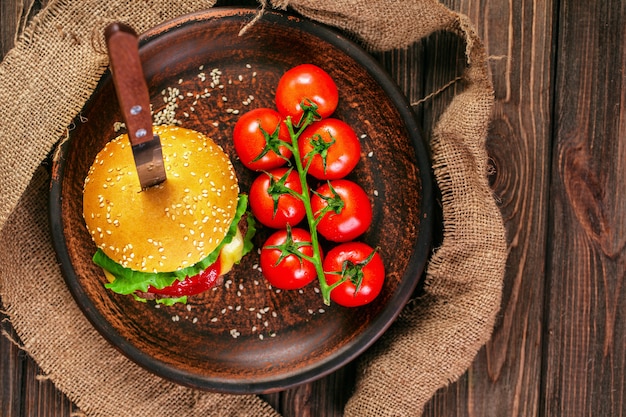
[{"x": 364, "y": 340}]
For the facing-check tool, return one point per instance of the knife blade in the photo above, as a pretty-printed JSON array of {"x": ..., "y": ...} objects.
[{"x": 134, "y": 99}]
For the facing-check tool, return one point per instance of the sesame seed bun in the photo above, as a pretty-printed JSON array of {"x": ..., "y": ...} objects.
[{"x": 169, "y": 226}]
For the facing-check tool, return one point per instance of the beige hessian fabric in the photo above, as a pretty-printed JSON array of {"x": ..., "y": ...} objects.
[{"x": 44, "y": 82}]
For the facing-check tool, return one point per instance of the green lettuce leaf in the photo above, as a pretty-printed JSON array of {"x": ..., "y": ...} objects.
[
  {"x": 248, "y": 244},
  {"x": 128, "y": 281},
  {"x": 170, "y": 301}
]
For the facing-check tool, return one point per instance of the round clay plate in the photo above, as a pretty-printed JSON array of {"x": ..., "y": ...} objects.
[{"x": 244, "y": 336}]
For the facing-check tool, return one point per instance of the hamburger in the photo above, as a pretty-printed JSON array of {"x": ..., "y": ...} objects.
[{"x": 171, "y": 240}]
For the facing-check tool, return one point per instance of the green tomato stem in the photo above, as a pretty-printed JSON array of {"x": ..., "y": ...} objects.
[{"x": 306, "y": 199}]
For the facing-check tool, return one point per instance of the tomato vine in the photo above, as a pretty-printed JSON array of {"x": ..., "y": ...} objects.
[{"x": 328, "y": 203}]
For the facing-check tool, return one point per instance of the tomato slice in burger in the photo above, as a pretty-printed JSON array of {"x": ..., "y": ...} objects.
[{"x": 191, "y": 285}]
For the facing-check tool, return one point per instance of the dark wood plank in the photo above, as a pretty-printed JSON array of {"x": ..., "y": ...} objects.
[
  {"x": 14, "y": 15},
  {"x": 505, "y": 376},
  {"x": 581, "y": 278},
  {"x": 10, "y": 17},
  {"x": 586, "y": 355},
  {"x": 326, "y": 397},
  {"x": 11, "y": 370},
  {"x": 41, "y": 397},
  {"x": 24, "y": 391}
]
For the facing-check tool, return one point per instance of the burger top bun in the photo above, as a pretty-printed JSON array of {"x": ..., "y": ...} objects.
[{"x": 169, "y": 226}]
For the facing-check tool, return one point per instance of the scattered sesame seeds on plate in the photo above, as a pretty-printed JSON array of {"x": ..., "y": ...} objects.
[{"x": 245, "y": 336}]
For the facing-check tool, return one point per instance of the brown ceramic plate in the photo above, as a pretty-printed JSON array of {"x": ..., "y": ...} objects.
[{"x": 244, "y": 337}]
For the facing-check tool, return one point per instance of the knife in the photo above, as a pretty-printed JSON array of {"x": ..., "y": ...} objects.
[{"x": 132, "y": 94}]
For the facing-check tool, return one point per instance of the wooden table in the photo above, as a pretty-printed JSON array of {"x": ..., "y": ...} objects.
[{"x": 558, "y": 149}]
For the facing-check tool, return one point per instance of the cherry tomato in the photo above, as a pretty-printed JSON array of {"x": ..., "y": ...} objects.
[
  {"x": 306, "y": 81},
  {"x": 365, "y": 277},
  {"x": 191, "y": 285},
  {"x": 269, "y": 199},
  {"x": 350, "y": 213},
  {"x": 256, "y": 137},
  {"x": 338, "y": 149},
  {"x": 288, "y": 272}
]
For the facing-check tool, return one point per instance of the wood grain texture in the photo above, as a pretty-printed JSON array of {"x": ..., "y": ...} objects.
[
  {"x": 11, "y": 370},
  {"x": 558, "y": 153},
  {"x": 507, "y": 372},
  {"x": 14, "y": 16},
  {"x": 41, "y": 398},
  {"x": 586, "y": 337}
]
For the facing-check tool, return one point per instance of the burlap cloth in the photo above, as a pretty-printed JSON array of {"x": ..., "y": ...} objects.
[{"x": 44, "y": 82}]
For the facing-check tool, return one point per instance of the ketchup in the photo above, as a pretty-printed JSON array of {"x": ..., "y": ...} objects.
[{"x": 191, "y": 285}]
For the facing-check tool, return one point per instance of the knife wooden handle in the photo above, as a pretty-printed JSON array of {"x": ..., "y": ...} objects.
[{"x": 130, "y": 82}]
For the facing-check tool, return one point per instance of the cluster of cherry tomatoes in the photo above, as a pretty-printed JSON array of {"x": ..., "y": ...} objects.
[{"x": 303, "y": 155}]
